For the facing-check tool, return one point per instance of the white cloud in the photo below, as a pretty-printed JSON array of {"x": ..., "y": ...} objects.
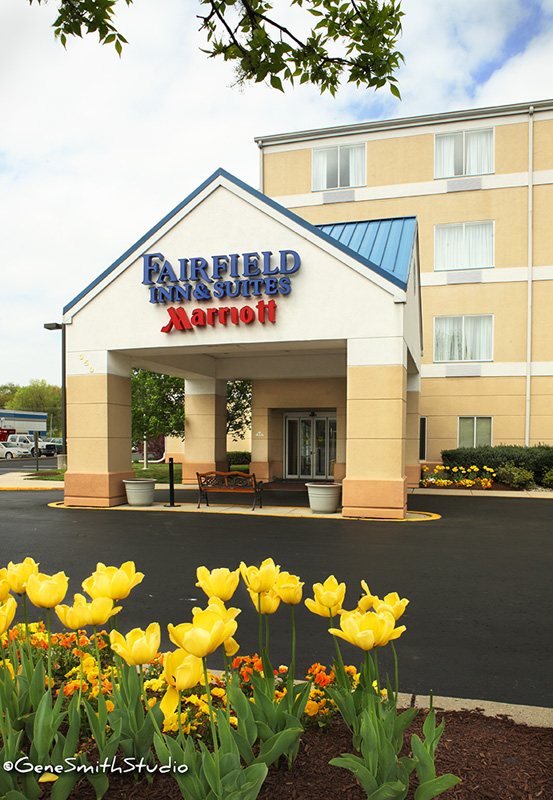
[{"x": 94, "y": 149}]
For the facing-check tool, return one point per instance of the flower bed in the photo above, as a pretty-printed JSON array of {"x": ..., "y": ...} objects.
[
  {"x": 79, "y": 707},
  {"x": 458, "y": 477}
]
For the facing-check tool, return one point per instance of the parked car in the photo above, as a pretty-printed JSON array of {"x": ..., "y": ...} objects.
[
  {"x": 12, "y": 450},
  {"x": 44, "y": 448},
  {"x": 58, "y": 442}
]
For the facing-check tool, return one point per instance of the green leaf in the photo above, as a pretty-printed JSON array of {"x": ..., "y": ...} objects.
[
  {"x": 271, "y": 750},
  {"x": 276, "y": 83},
  {"x": 435, "y": 787},
  {"x": 42, "y": 729},
  {"x": 425, "y": 763},
  {"x": 359, "y": 769},
  {"x": 389, "y": 791}
]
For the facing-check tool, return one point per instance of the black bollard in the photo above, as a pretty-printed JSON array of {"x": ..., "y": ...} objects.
[{"x": 171, "y": 486}]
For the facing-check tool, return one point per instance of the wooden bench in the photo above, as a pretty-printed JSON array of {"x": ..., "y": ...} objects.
[{"x": 229, "y": 482}]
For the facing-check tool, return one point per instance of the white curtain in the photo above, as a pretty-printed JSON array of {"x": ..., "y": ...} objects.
[
  {"x": 445, "y": 156},
  {"x": 479, "y": 244},
  {"x": 319, "y": 169},
  {"x": 448, "y": 338},
  {"x": 449, "y": 250},
  {"x": 466, "y": 431},
  {"x": 478, "y": 152},
  {"x": 356, "y": 165},
  {"x": 477, "y": 338},
  {"x": 463, "y": 338}
]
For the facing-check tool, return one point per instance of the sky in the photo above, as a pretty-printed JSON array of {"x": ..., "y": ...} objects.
[{"x": 95, "y": 149}]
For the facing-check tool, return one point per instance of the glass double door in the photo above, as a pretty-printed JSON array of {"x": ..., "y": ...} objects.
[{"x": 310, "y": 446}]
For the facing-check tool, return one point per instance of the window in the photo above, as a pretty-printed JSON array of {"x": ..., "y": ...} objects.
[
  {"x": 339, "y": 167},
  {"x": 464, "y": 153},
  {"x": 467, "y": 338},
  {"x": 422, "y": 439},
  {"x": 475, "y": 431},
  {"x": 467, "y": 245}
]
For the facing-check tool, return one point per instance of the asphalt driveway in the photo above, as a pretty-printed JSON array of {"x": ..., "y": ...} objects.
[{"x": 479, "y": 580}]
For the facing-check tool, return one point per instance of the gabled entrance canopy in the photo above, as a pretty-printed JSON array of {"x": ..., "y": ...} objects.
[{"x": 232, "y": 285}]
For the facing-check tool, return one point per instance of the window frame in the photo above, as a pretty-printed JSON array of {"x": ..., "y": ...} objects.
[
  {"x": 461, "y": 360},
  {"x": 338, "y": 147},
  {"x": 464, "y": 174},
  {"x": 464, "y": 224},
  {"x": 474, "y": 418}
]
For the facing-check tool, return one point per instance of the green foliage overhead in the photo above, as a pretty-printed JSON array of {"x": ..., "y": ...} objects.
[
  {"x": 39, "y": 396},
  {"x": 157, "y": 405},
  {"x": 353, "y": 41}
]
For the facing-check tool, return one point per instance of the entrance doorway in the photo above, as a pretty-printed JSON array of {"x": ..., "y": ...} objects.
[{"x": 309, "y": 446}]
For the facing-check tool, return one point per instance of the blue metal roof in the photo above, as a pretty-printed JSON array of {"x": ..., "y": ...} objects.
[{"x": 383, "y": 245}]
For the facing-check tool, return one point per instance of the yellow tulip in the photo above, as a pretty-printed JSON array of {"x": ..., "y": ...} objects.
[
  {"x": 392, "y": 603},
  {"x": 367, "y": 630},
  {"x": 138, "y": 646},
  {"x": 266, "y": 602},
  {"x": 288, "y": 588},
  {"x": 262, "y": 579},
  {"x": 7, "y": 613},
  {"x": 219, "y": 583},
  {"x": 82, "y": 613},
  {"x": 4, "y": 585},
  {"x": 329, "y": 597},
  {"x": 112, "y": 582},
  {"x": 182, "y": 670},
  {"x": 210, "y": 628},
  {"x": 47, "y": 591},
  {"x": 231, "y": 647},
  {"x": 366, "y": 601},
  {"x": 18, "y": 574}
]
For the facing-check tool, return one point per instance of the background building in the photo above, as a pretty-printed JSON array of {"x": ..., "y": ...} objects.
[{"x": 480, "y": 183}]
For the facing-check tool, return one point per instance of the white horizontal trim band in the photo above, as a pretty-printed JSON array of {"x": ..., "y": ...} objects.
[
  {"x": 504, "y": 369},
  {"x": 486, "y": 275}
]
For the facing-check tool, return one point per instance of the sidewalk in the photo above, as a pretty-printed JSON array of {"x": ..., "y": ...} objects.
[{"x": 18, "y": 480}]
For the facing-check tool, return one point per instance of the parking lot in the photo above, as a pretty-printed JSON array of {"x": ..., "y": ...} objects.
[{"x": 479, "y": 621}]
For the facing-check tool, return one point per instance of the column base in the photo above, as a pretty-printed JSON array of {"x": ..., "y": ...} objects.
[
  {"x": 381, "y": 498},
  {"x": 261, "y": 470},
  {"x": 413, "y": 475},
  {"x": 99, "y": 490},
  {"x": 189, "y": 468}
]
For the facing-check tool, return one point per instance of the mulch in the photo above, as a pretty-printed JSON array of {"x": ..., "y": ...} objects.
[{"x": 495, "y": 758}]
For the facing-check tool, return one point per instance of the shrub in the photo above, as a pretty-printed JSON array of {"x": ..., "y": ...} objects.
[
  {"x": 516, "y": 476},
  {"x": 537, "y": 459},
  {"x": 547, "y": 479},
  {"x": 241, "y": 457}
]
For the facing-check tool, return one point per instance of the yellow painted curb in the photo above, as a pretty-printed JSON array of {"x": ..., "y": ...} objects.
[
  {"x": 424, "y": 516},
  {"x": 29, "y": 488}
]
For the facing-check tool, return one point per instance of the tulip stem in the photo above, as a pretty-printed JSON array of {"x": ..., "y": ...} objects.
[
  {"x": 260, "y": 623},
  {"x": 292, "y": 671},
  {"x": 80, "y": 669},
  {"x": 395, "y": 669},
  {"x": 227, "y": 704},
  {"x": 27, "y": 634},
  {"x": 140, "y": 667},
  {"x": 98, "y": 658},
  {"x": 181, "y": 729},
  {"x": 213, "y": 728},
  {"x": 48, "y": 612},
  {"x": 344, "y": 680}
]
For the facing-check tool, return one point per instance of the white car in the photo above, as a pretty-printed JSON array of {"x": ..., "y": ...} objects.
[{"x": 12, "y": 450}]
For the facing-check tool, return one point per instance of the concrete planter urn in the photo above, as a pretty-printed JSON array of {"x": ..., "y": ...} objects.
[
  {"x": 324, "y": 498},
  {"x": 140, "y": 492}
]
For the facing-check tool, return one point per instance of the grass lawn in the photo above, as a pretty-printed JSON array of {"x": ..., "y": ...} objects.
[{"x": 160, "y": 472}]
